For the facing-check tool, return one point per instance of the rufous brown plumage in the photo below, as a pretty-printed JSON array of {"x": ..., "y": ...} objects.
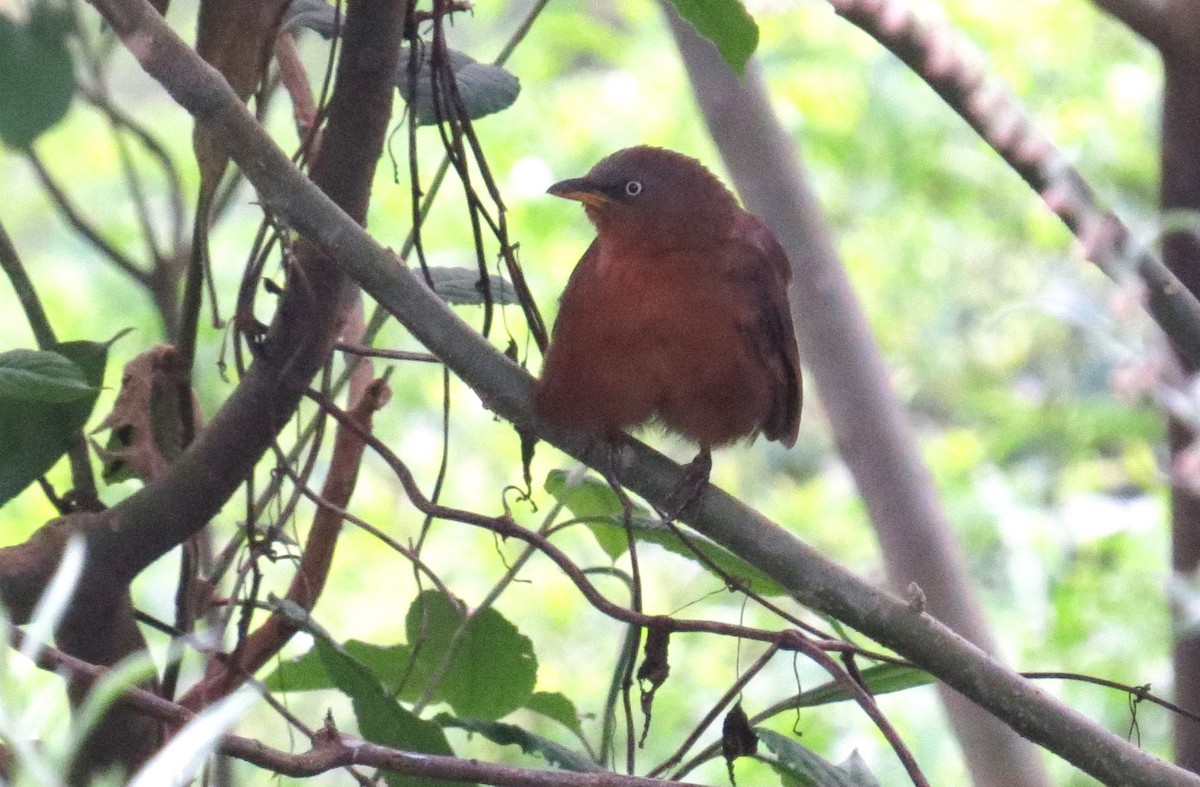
[{"x": 677, "y": 312}]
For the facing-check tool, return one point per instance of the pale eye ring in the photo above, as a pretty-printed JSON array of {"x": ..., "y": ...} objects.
[{"x": 633, "y": 188}]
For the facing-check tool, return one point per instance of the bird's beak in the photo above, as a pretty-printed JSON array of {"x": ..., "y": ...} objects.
[{"x": 580, "y": 190}]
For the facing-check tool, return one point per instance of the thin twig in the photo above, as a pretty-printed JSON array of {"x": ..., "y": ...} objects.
[{"x": 81, "y": 225}]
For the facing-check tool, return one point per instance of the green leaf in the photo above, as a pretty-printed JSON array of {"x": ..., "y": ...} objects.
[
  {"x": 491, "y": 672},
  {"x": 492, "y": 667},
  {"x": 512, "y": 735},
  {"x": 727, "y": 24},
  {"x": 381, "y": 719},
  {"x": 881, "y": 679},
  {"x": 460, "y": 286},
  {"x": 591, "y": 498},
  {"x": 37, "y": 77},
  {"x": 655, "y": 532},
  {"x": 41, "y": 376},
  {"x": 588, "y": 497},
  {"x": 45, "y": 399},
  {"x": 554, "y": 705},
  {"x": 804, "y": 767},
  {"x": 303, "y": 673}
]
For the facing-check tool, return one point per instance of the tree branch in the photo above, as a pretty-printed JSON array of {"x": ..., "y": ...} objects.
[
  {"x": 1170, "y": 26},
  {"x": 990, "y": 110}
]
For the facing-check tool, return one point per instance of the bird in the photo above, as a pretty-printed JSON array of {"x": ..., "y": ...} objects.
[{"x": 677, "y": 313}]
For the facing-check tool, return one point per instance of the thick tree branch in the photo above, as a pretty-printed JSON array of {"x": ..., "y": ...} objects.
[
  {"x": 505, "y": 387},
  {"x": 1147, "y": 18}
]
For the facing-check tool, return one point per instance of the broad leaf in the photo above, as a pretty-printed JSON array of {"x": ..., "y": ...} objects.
[
  {"x": 491, "y": 670},
  {"x": 41, "y": 376},
  {"x": 380, "y": 718},
  {"x": 490, "y": 674},
  {"x": 45, "y": 399}
]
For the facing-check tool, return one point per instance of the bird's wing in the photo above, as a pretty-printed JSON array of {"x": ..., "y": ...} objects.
[{"x": 762, "y": 270}]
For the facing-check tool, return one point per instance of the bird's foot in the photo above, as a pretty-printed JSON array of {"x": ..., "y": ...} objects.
[{"x": 691, "y": 486}]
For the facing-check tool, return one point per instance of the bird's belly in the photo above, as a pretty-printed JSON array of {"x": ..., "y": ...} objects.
[
  {"x": 663, "y": 350},
  {"x": 713, "y": 389}
]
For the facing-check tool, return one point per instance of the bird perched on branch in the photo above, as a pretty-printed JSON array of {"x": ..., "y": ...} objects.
[{"x": 677, "y": 312}]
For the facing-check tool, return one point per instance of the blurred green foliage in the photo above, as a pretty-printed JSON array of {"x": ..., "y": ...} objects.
[{"x": 998, "y": 336}]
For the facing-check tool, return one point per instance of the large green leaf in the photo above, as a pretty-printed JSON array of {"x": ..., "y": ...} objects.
[
  {"x": 45, "y": 399},
  {"x": 37, "y": 77},
  {"x": 727, "y": 24},
  {"x": 41, "y": 376},
  {"x": 512, "y": 735},
  {"x": 591, "y": 498},
  {"x": 492, "y": 668},
  {"x": 388, "y": 663}
]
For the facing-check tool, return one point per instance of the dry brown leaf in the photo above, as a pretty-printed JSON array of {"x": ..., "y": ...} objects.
[{"x": 146, "y": 430}]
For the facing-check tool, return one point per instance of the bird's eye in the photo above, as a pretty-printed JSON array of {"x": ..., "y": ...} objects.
[{"x": 633, "y": 188}]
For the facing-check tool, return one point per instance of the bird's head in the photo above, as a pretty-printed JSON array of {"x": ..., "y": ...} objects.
[{"x": 651, "y": 196}]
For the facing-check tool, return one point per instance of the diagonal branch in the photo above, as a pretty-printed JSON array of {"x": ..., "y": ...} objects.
[{"x": 939, "y": 58}]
